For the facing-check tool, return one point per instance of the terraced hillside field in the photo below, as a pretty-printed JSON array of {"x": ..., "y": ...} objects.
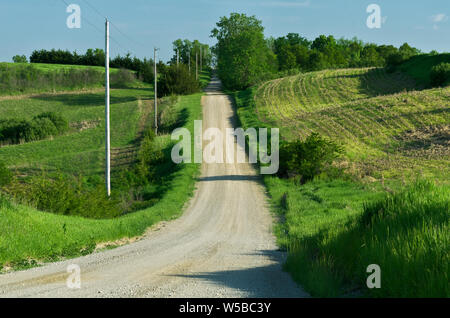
[{"x": 387, "y": 124}]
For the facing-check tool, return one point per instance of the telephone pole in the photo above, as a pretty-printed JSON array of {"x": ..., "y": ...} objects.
[
  {"x": 108, "y": 143},
  {"x": 201, "y": 61},
  {"x": 156, "y": 92},
  {"x": 178, "y": 57},
  {"x": 196, "y": 65}
]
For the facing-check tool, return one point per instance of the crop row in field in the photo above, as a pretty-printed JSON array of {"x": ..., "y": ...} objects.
[{"x": 374, "y": 114}]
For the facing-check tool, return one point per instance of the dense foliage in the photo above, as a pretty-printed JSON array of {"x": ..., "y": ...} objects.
[
  {"x": 19, "y": 59},
  {"x": 27, "y": 78},
  {"x": 241, "y": 51},
  {"x": 143, "y": 68},
  {"x": 296, "y": 52},
  {"x": 177, "y": 80},
  {"x": 63, "y": 194},
  {"x": 440, "y": 74},
  {"x": 307, "y": 159},
  {"x": 191, "y": 51},
  {"x": 13, "y": 131},
  {"x": 244, "y": 56}
]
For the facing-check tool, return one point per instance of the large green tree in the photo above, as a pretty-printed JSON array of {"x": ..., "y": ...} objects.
[{"x": 242, "y": 53}]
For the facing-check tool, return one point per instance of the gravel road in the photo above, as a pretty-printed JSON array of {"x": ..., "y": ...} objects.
[{"x": 222, "y": 246}]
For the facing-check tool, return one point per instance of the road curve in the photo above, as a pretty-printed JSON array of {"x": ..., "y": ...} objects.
[{"x": 222, "y": 246}]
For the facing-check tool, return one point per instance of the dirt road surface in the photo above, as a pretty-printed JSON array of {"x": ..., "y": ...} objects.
[{"x": 222, "y": 246}]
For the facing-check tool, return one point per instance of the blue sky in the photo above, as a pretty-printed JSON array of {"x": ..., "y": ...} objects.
[{"x": 34, "y": 24}]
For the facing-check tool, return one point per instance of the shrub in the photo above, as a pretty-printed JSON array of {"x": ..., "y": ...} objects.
[
  {"x": 5, "y": 175},
  {"x": 146, "y": 72},
  {"x": 122, "y": 78},
  {"x": 61, "y": 124},
  {"x": 150, "y": 156},
  {"x": 27, "y": 78},
  {"x": 40, "y": 127},
  {"x": 440, "y": 74},
  {"x": 177, "y": 80},
  {"x": 62, "y": 194},
  {"x": 307, "y": 159}
]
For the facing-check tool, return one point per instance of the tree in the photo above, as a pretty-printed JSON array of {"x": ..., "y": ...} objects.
[
  {"x": 177, "y": 80},
  {"x": 407, "y": 51},
  {"x": 19, "y": 59},
  {"x": 241, "y": 50},
  {"x": 370, "y": 56}
]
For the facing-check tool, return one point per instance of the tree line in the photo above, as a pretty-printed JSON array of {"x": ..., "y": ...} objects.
[
  {"x": 245, "y": 56},
  {"x": 96, "y": 57},
  {"x": 188, "y": 51},
  {"x": 183, "y": 73},
  {"x": 173, "y": 78}
]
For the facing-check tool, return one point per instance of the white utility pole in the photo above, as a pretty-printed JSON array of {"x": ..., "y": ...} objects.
[
  {"x": 108, "y": 142},
  {"x": 178, "y": 57},
  {"x": 156, "y": 92}
]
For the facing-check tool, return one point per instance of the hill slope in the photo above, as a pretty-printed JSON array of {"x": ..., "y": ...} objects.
[
  {"x": 336, "y": 225},
  {"x": 385, "y": 125},
  {"x": 419, "y": 67}
]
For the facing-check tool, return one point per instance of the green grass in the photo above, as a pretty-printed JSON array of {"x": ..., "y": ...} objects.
[
  {"x": 29, "y": 236},
  {"x": 406, "y": 234},
  {"x": 419, "y": 67},
  {"x": 391, "y": 133},
  {"x": 387, "y": 127},
  {"x": 52, "y": 67},
  {"x": 78, "y": 151}
]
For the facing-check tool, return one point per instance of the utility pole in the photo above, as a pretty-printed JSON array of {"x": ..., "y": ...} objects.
[
  {"x": 108, "y": 142},
  {"x": 196, "y": 65},
  {"x": 156, "y": 92},
  {"x": 178, "y": 57},
  {"x": 201, "y": 62}
]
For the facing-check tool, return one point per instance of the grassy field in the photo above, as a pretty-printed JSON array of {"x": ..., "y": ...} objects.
[
  {"x": 81, "y": 150},
  {"x": 388, "y": 128},
  {"x": 393, "y": 133},
  {"x": 29, "y": 236}
]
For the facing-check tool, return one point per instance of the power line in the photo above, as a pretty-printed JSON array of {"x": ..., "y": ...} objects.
[
  {"x": 85, "y": 19},
  {"x": 98, "y": 29},
  {"x": 93, "y": 8},
  {"x": 113, "y": 25}
]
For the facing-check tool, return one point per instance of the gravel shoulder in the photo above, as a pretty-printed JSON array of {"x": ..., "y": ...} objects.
[{"x": 222, "y": 246}]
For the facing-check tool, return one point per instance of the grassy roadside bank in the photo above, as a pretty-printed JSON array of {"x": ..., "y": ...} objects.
[
  {"x": 29, "y": 236},
  {"x": 334, "y": 229}
]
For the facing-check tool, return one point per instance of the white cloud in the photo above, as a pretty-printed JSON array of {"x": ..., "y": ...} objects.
[
  {"x": 440, "y": 17},
  {"x": 287, "y": 4}
]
